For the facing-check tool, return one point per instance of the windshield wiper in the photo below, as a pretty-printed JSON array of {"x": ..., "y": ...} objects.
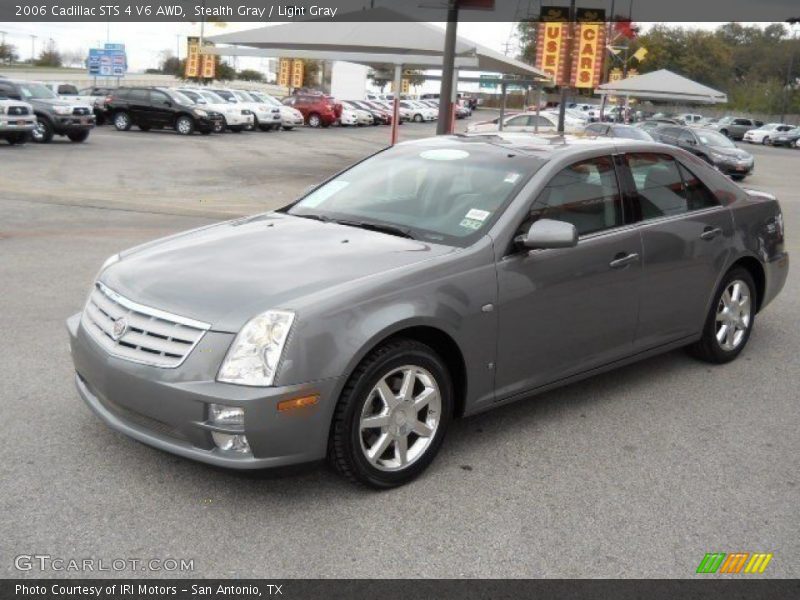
[
  {"x": 322, "y": 218},
  {"x": 380, "y": 227}
]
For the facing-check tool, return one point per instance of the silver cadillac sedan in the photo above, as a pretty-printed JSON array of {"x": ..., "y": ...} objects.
[{"x": 435, "y": 279}]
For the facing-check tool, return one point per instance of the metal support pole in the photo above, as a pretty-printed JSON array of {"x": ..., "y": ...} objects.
[
  {"x": 398, "y": 83},
  {"x": 562, "y": 106},
  {"x": 448, "y": 67},
  {"x": 453, "y": 101},
  {"x": 538, "y": 108},
  {"x": 502, "y": 106}
]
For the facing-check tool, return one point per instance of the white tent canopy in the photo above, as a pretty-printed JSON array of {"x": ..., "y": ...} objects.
[
  {"x": 663, "y": 85},
  {"x": 381, "y": 42}
]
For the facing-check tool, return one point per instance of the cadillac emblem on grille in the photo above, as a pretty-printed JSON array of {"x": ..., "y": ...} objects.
[{"x": 120, "y": 328}]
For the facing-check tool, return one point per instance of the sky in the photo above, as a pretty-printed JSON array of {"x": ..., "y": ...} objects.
[{"x": 146, "y": 43}]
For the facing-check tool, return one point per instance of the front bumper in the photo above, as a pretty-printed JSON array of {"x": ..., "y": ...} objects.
[
  {"x": 209, "y": 123},
  {"x": 237, "y": 119},
  {"x": 70, "y": 124},
  {"x": 293, "y": 122},
  {"x": 736, "y": 168},
  {"x": 17, "y": 124},
  {"x": 168, "y": 408}
]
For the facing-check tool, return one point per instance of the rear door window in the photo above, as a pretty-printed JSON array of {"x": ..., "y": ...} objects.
[
  {"x": 658, "y": 183},
  {"x": 698, "y": 196}
]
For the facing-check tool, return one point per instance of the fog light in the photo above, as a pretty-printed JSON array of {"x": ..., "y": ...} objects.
[
  {"x": 228, "y": 441},
  {"x": 229, "y": 416}
]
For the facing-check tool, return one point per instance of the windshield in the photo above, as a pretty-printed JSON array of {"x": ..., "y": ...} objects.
[
  {"x": 243, "y": 96},
  {"x": 37, "y": 91},
  {"x": 226, "y": 94},
  {"x": 712, "y": 138},
  {"x": 193, "y": 96},
  {"x": 632, "y": 133},
  {"x": 444, "y": 194},
  {"x": 180, "y": 98},
  {"x": 212, "y": 98}
]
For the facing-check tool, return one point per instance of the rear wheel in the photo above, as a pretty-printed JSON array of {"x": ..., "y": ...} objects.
[
  {"x": 78, "y": 136},
  {"x": 730, "y": 319},
  {"x": 122, "y": 121},
  {"x": 184, "y": 125},
  {"x": 392, "y": 416},
  {"x": 43, "y": 132}
]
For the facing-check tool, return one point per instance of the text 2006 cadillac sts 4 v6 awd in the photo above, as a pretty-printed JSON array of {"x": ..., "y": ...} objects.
[{"x": 435, "y": 279}]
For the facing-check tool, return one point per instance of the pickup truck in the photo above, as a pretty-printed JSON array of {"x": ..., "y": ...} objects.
[
  {"x": 736, "y": 127},
  {"x": 92, "y": 96},
  {"x": 17, "y": 121},
  {"x": 54, "y": 116}
]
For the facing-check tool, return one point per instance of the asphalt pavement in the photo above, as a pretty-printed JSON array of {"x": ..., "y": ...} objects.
[{"x": 635, "y": 473}]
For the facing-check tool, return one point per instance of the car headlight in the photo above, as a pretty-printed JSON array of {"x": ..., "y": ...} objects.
[
  {"x": 200, "y": 112},
  {"x": 254, "y": 355},
  {"x": 2, "y": 110},
  {"x": 62, "y": 110}
]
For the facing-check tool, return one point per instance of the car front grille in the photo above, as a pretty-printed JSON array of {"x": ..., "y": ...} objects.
[
  {"x": 18, "y": 111},
  {"x": 80, "y": 111},
  {"x": 139, "y": 333}
]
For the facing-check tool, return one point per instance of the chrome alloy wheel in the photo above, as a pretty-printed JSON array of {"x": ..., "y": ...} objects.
[
  {"x": 733, "y": 315},
  {"x": 39, "y": 131},
  {"x": 400, "y": 418},
  {"x": 184, "y": 126}
]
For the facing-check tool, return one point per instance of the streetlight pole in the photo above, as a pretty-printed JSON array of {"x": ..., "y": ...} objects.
[
  {"x": 562, "y": 106},
  {"x": 448, "y": 70},
  {"x": 790, "y": 69},
  {"x": 33, "y": 48}
]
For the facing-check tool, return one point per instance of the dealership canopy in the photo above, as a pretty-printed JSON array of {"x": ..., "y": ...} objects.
[
  {"x": 380, "y": 42},
  {"x": 663, "y": 85}
]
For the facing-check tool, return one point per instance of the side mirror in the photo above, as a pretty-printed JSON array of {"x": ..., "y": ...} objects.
[{"x": 549, "y": 233}]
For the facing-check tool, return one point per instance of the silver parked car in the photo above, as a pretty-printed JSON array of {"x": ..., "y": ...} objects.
[{"x": 435, "y": 279}]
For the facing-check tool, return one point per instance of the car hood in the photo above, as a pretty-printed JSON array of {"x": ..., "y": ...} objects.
[
  {"x": 733, "y": 152},
  {"x": 227, "y": 273},
  {"x": 58, "y": 102}
]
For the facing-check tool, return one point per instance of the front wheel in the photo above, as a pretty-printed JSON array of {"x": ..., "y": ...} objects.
[
  {"x": 43, "y": 132},
  {"x": 17, "y": 139},
  {"x": 184, "y": 125},
  {"x": 314, "y": 120},
  {"x": 730, "y": 319},
  {"x": 418, "y": 119},
  {"x": 392, "y": 415},
  {"x": 78, "y": 136}
]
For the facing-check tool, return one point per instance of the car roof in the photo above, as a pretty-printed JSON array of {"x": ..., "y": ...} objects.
[{"x": 543, "y": 146}]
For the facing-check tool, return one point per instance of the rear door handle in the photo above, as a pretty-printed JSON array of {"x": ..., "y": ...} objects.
[
  {"x": 710, "y": 233},
  {"x": 622, "y": 260}
]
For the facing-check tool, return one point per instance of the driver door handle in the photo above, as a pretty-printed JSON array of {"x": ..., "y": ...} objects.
[
  {"x": 623, "y": 260},
  {"x": 710, "y": 233}
]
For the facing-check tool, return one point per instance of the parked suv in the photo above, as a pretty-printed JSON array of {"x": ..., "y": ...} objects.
[
  {"x": 153, "y": 107},
  {"x": 736, "y": 127},
  {"x": 16, "y": 121},
  {"x": 54, "y": 116},
  {"x": 317, "y": 109}
]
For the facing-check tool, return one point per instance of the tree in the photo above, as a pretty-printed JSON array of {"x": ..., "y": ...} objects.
[
  {"x": 172, "y": 65},
  {"x": 250, "y": 75},
  {"x": 50, "y": 56},
  {"x": 225, "y": 72},
  {"x": 526, "y": 33},
  {"x": 8, "y": 53},
  {"x": 381, "y": 78}
]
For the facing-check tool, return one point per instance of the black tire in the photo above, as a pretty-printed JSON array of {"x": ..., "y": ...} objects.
[
  {"x": 144, "y": 127},
  {"x": 78, "y": 136},
  {"x": 219, "y": 126},
  {"x": 345, "y": 451},
  {"x": 122, "y": 121},
  {"x": 18, "y": 139},
  {"x": 288, "y": 128},
  {"x": 236, "y": 128},
  {"x": 737, "y": 177},
  {"x": 184, "y": 125},
  {"x": 263, "y": 127},
  {"x": 206, "y": 132},
  {"x": 43, "y": 133},
  {"x": 709, "y": 348}
]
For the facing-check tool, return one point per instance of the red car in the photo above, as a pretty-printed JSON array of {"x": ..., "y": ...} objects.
[{"x": 319, "y": 110}]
